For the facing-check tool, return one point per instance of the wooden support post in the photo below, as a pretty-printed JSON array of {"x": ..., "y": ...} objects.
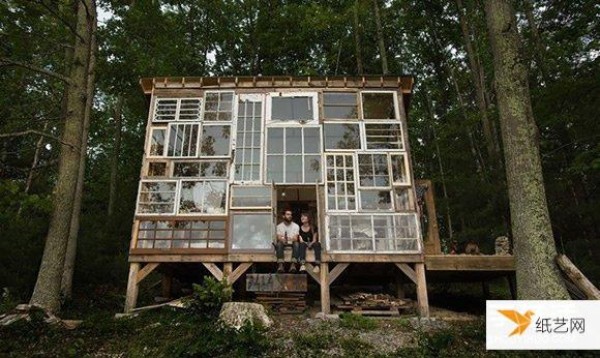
[
  {"x": 132, "y": 287},
  {"x": 512, "y": 285},
  {"x": 227, "y": 269},
  {"x": 325, "y": 305},
  {"x": 485, "y": 288},
  {"x": 310, "y": 272},
  {"x": 336, "y": 272},
  {"x": 145, "y": 271},
  {"x": 238, "y": 272},
  {"x": 167, "y": 285},
  {"x": 408, "y": 271},
  {"x": 214, "y": 270},
  {"x": 422, "y": 290}
]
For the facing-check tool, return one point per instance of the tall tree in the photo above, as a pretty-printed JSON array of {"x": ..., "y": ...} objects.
[
  {"x": 114, "y": 164},
  {"x": 538, "y": 276},
  {"x": 380, "y": 39},
  {"x": 357, "y": 43},
  {"x": 47, "y": 288}
]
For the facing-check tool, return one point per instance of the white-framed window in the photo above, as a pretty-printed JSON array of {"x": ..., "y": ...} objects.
[
  {"x": 205, "y": 197},
  {"x": 183, "y": 140},
  {"x": 216, "y": 140},
  {"x": 156, "y": 197},
  {"x": 373, "y": 233},
  {"x": 248, "y": 151},
  {"x": 342, "y": 136},
  {"x": 218, "y": 105},
  {"x": 340, "y": 178},
  {"x": 210, "y": 169},
  {"x": 383, "y": 136},
  {"x": 286, "y": 107},
  {"x": 379, "y": 105},
  {"x": 375, "y": 200},
  {"x": 340, "y": 105},
  {"x": 399, "y": 163},
  {"x": 373, "y": 170},
  {"x": 251, "y": 197},
  {"x": 177, "y": 109},
  {"x": 252, "y": 231},
  {"x": 293, "y": 155},
  {"x": 157, "y": 142}
]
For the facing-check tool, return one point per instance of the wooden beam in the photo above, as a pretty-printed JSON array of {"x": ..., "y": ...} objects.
[
  {"x": 238, "y": 272},
  {"x": 469, "y": 263},
  {"x": 325, "y": 305},
  {"x": 227, "y": 268},
  {"x": 336, "y": 272},
  {"x": 146, "y": 271},
  {"x": 132, "y": 287},
  {"x": 408, "y": 271},
  {"x": 145, "y": 255},
  {"x": 422, "y": 299},
  {"x": 214, "y": 270},
  {"x": 577, "y": 277},
  {"x": 310, "y": 272}
]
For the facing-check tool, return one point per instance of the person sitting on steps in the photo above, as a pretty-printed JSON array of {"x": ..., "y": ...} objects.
[
  {"x": 287, "y": 234},
  {"x": 309, "y": 239}
]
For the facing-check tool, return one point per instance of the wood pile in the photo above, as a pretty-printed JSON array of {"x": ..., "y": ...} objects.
[
  {"x": 373, "y": 304},
  {"x": 282, "y": 302},
  {"x": 25, "y": 312}
]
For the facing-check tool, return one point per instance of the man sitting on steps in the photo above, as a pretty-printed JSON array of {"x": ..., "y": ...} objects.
[{"x": 287, "y": 234}]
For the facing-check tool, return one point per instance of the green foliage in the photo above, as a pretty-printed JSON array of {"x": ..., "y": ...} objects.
[
  {"x": 353, "y": 321},
  {"x": 209, "y": 296}
]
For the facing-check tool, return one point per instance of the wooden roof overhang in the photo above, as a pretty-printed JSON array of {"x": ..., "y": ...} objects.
[{"x": 405, "y": 83}]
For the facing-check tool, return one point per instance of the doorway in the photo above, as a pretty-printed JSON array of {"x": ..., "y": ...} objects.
[{"x": 298, "y": 199}]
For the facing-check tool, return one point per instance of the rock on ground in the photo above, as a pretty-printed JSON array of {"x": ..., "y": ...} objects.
[{"x": 236, "y": 314}]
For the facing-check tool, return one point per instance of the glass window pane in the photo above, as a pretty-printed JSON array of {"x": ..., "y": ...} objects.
[
  {"x": 248, "y": 152},
  {"x": 157, "y": 169},
  {"x": 402, "y": 197},
  {"x": 373, "y": 170},
  {"x": 399, "y": 170},
  {"x": 156, "y": 197},
  {"x": 189, "y": 109},
  {"x": 252, "y": 231},
  {"x": 165, "y": 110},
  {"x": 207, "y": 197},
  {"x": 157, "y": 142},
  {"x": 215, "y": 140},
  {"x": 183, "y": 140},
  {"x": 293, "y": 169},
  {"x": 338, "y": 105},
  {"x": 251, "y": 196},
  {"x": 312, "y": 168},
  {"x": 312, "y": 140},
  {"x": 293, "y": 140},
  {"x": 275, "y": 140},
  {"x": 291, "y": 108},
  {"x": 378, "y": 106},
  {"x": 375, "y": 200},
  {"x": 342, "y": 136},
  {"x": 383, "y": 136},
  {"x": 218, "y": 106},
  {"x": 275, "y": 168}
]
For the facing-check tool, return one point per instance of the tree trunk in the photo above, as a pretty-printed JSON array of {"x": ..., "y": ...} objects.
[
  {"x": 114, "y": 165},
  {"x": 380, "y": 40},
  {"x": 538, "y": 276},
  {"x": 357, "y": 46},
  {"x": 480, "y": 87},
  {"x": 47, "y": 287},
  {"x": 539, "y": 50},
  {"x": 71, "y": 254}
]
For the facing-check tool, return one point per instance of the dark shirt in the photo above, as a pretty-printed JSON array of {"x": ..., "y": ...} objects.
[{"x": 307, "y": 236}]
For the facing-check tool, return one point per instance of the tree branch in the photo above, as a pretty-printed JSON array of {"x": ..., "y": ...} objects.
[
  {"x": 8, "y": 62},
  {"x": 60, "y": 18},
  {"x": 33, "y": 131}
]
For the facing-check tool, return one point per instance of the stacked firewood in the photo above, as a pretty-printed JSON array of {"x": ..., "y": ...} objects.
[
  {"x": 282, "y": 302},
  {"x": 372, "y": 303}
]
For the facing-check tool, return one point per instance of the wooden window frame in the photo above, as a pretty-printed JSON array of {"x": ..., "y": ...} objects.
[
  {"x": 201, "y": 138},
  {"x": 324, "y": 104},
  {"x": 365, "y": 142},
  {"x": 194, "y": 124},
  {"x": 194, "y": 214},
  {"x": 262, "y": 131},
  {"x": 354, "y": 167},
  {"x": 396, "y": 106},
  {"x": 149, "y": 142},
  {"x": 361, "y": 136},
  {"x": 188, "y": 250},
  {"x": 199, "y": 162},
  {"x": 248, "y": 208},
  {"x": 177, "y": 109},
  {"x": 233, "y": 106},
  {"x": 250, "y": 212}
]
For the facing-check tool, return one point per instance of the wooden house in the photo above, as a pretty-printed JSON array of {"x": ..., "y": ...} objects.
[{"x": 225, "y": 155}]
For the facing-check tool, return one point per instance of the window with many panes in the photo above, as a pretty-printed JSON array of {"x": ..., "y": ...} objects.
[
  {"x": 200, "y": 169},
  {"x": 180, "y": 234},
  {"x": 218, "y": 106},
  {"x": 294, "y": 155},
  {"x": 248, "y": 151},
  {"x": 373, "y": 233},
  {"x": 183, "y": 140},
  {"x": 341, "y": 191}
]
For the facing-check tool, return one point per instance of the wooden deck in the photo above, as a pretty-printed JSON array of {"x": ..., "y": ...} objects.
[{"x": 469, "y": 263}]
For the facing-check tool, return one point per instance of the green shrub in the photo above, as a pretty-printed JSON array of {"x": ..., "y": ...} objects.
[
  {"x": 352, "y": 321},
  {"x": 209, "y": 296}
]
